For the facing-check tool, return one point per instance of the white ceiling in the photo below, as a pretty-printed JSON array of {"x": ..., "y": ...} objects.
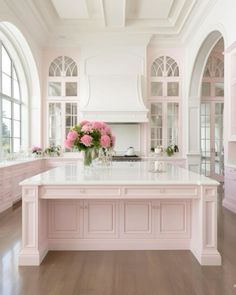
[{"x": 71, "y": 21}]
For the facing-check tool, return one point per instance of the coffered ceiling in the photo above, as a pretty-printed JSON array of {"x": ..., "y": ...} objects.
[{"x": 70, "y": 20}]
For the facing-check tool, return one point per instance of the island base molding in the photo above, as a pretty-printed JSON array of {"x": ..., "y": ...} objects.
[{"x": 186, "y": 221}]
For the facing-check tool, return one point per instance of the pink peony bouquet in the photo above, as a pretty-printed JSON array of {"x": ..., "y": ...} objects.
[
  {"x": 87, "y": 135},
  {"x": 36, "y": 150}
]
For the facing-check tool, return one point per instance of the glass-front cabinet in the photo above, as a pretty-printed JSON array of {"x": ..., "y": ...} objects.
[
  {"x": 164, "y": 103},
  {"x": 62, "y": 99},
  {"x": 164, "y": 123}
]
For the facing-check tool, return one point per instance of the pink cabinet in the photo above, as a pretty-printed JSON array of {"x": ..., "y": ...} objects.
[
  {"x": 229, "y": 200},
  {"x": 137, "y": 219},
  {"x": 100, "y": 219}
]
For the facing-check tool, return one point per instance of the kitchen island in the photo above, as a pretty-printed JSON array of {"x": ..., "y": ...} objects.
[{"x": 128, "y": 206}]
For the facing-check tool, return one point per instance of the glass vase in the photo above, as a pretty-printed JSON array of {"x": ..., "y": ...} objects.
[{"x": 88, "y": 157}]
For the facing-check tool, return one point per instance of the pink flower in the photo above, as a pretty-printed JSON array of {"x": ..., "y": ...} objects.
[
  {"x": 68, "y": 143},
  {"x": 87, "y": 128},
  {"x": 105, "y": 141},
  {"x": 113, "y": 140},
  {"x": 86, "y": 140},
  {"x": 97, "y": 125},
  {"x": 72, "y": 135},
  {"x": 82, "y": 123}
]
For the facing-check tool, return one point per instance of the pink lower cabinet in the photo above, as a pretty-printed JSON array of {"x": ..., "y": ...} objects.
[
  {"x": 137, "y": 219},
  {"x": 101, "y": 219},
  {"x": 173, "y": 219},
  {"x": 155, "y": 219},
  {"x": 65, "y": 219}
]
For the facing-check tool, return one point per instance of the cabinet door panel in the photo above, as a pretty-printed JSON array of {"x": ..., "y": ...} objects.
[
  {"x": 136, "y": 219},
  {"x": 100, "y": 219},
  {"x": 174, "y": 219},
  {"x": 65, "y": 219}
]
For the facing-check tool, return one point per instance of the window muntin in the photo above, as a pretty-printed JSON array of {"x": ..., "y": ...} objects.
[{"x": 10, "y": 96}]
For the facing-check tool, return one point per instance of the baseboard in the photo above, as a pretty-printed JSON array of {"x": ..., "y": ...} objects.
[
  {"x": 32, "y": 257},
  {"x": 116, "y": 244},
  {"x": 210, "y": 258},
  {"x": 229, "y": 204}
]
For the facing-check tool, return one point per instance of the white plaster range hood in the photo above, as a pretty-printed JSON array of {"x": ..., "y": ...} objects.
[{"x": 114, "y": 98}]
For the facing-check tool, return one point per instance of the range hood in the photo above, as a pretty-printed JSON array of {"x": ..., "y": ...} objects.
[{"x": 114, "y": 98}]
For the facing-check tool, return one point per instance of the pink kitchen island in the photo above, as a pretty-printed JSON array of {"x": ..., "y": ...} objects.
[{"x": 123, "y": 207}]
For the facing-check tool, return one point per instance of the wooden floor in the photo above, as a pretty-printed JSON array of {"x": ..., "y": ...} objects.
[{"x": 116, "y": 272}]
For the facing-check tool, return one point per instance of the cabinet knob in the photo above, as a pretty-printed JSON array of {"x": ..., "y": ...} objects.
[
  {"x": 82, "y": 191},
  {"x": 86, "y": 207}
]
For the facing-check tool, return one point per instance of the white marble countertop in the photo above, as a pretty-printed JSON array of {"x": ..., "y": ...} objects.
[{"x": 120, "y": 173}]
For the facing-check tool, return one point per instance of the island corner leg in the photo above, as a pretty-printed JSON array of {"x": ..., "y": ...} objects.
[
  {"x": 34, "y": 228},
  {"x": 204, "y": 227}
]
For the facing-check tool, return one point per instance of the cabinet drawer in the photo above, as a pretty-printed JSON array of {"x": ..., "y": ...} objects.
[
  {"x": 184, "y": 192},
  {"x": 58, "y": 192}
]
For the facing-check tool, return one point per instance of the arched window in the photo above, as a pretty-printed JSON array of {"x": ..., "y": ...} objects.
[
  {"x": 164, "y": 102},
  {"x": 62, "y": 99},
  {"x": 10, "y": 104}
]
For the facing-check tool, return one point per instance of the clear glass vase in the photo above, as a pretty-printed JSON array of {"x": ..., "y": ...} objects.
[{"x": 89, "y": 155}]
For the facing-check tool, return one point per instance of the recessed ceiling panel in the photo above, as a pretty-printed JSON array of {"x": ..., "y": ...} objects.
[
  {"x": 71, "y": 9},
  {"x": 149, "y": 9}
]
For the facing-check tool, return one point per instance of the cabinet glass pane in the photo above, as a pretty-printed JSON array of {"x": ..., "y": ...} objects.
[
  {"x": 156, "y": 108},
  {"x": 172, "y": 123},
  {"x": 55, "y": 123},
  {"x": 172, "y": 89},
  {"x": 206, "y": 89},
  {"x": 71, "y": 89},
  {"x": 156, "y": 89},
  {"x": 71, "y": 116},
  {"x": 219, "y": 89},
  {"x": 54, "y": 89}
]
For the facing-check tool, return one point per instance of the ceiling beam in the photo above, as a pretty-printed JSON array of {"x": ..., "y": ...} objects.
[{"x": 114, "y": 13}]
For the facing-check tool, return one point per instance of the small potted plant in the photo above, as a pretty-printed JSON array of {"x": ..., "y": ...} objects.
[
  {"x": 36, "y": 151},
  {"x": 170, "y": 150},
  {"x": 53, "y": 150}
]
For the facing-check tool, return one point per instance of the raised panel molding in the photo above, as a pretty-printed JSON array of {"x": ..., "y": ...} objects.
[
  {"x": 136, "y": 219},
  {"x": 100, "y": 219},
  {"x": 65, "y": 219},
  {"x": 174, "y": 219}
]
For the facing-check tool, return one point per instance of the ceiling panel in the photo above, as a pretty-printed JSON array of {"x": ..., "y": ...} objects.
[
  {"x": 148, "y": 9},
  {"x": 71, "y": 9}
]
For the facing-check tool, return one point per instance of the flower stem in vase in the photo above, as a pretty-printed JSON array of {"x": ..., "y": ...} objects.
[{"x": 88, "y": 157}]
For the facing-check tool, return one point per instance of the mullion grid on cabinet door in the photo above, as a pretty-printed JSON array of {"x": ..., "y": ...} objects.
[
  {"x": 54, "y": 123},
  {"x": 156, "y": 124},
  {"x": 71, "y": 117},
  {"x": 205, "y": 138}
]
